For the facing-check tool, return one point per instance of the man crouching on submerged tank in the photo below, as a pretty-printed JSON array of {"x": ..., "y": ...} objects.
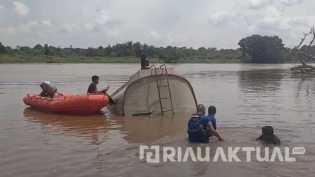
[
  {"x": 93, "y": 88},
  {"x": 144, "y": 62}
]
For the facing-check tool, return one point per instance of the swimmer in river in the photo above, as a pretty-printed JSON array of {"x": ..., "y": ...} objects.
[{"x": 268, "y": 136}]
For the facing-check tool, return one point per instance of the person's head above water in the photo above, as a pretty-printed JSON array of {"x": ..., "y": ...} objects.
[
  {"x": 95, "y": 79},
  {"x": 268, "y": 137},
  {"x": 212, "y": 110},
  {"x": 267, "y": 130},
  {"x": 201, "y": 109}
]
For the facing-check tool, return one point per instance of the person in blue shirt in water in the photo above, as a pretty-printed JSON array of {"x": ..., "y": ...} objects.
[
  {"x": 210, "y": 118},
  {"x": 209, "y": 123},
  {"x": 196, "y": 133},
  {"x": 200, "y": 127}
]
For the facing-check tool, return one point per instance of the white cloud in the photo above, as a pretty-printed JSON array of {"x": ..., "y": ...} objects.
[
  {"x": 28, "y": 27},
  {"x": 290, "y": 2},
  {"x": 266, "y": 17},
  {"x": 103, "y": 17},
  {"x": 157, "y": 22},
  {"x": 258, "y": 4},
  {"x": 102, "y": 21},
  {"x": 68, "y": 28},
  {"x": 221, "y": 17},
  {"x": 21, "y": 9},
  {"x": 89, "y": 26},
  {"x": 46, "y": 23},
  {"x": 155, "y": 35},
  {"x": 273, "y": 12}
]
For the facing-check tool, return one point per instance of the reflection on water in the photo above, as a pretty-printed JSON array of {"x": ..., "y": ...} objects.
[
  {"x": 247, "y": 97},
  {"x": 305, "y": 84},
  {"x": 259, "y": 93},
  {"x": 95, "y": 128},
  {"x": 90, "y": 127},
  {"x": 260, "y": 81}
]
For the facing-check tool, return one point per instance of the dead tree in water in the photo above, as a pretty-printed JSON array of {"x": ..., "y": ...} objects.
[{"x": 303, "y": 52}]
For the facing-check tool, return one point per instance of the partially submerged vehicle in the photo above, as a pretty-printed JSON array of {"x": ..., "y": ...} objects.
[{"x": 157, "y": 90}]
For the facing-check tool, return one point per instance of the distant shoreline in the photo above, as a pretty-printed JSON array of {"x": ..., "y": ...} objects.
[{"x": 7, "y": 59}]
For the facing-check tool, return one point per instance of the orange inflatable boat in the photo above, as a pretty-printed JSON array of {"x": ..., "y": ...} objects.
[{"x": 68, "y": 104}]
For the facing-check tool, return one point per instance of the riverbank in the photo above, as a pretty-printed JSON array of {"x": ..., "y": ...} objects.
[{"x": 82, "y": 59}]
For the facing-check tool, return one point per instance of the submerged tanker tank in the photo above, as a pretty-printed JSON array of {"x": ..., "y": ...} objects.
[{"x": 157, "y": 90}]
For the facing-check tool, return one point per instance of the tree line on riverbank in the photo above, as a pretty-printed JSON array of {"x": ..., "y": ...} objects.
[{"x": 252, "y": 49}]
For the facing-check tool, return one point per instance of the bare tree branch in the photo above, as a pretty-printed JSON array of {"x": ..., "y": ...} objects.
[
  {"x": 306, "y": 54},
  {"x": 313, "y": 39}
]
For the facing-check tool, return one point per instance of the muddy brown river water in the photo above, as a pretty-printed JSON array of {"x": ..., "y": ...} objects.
[{"x": 247, "y": 97}]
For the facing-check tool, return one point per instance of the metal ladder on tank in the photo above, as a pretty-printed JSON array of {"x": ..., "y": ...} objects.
[{"x": 166, "y": 98}]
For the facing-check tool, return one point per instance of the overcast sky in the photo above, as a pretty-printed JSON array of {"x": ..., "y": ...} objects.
[{"x": 190, "y": 23}]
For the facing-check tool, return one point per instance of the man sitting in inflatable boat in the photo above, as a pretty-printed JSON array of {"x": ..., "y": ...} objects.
[
  {"x": 48, "y": 89},
  {"x": 93, "y": 88}
]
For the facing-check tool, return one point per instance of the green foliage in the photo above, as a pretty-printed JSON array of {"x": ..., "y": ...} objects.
[
  {"x": 254, "y": 49},
  {"x": 262, "y": 49},
  {"x": 2, "y": 48},
  {"x": 130, "y": 49},
  {"x": 46, "y": 49}
]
